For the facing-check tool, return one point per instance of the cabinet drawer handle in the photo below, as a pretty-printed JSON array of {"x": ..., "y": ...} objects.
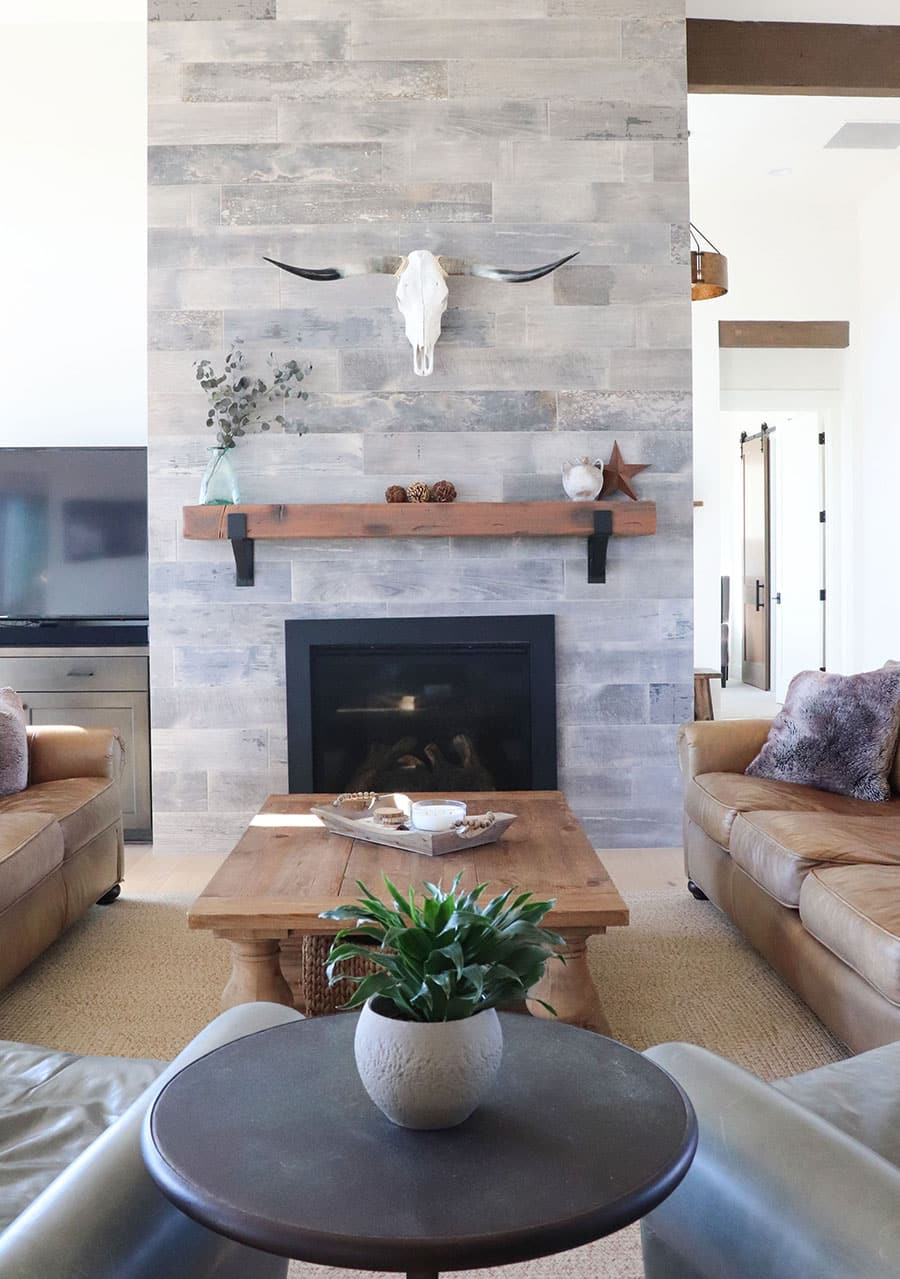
[{"x": 81, "y": 674}]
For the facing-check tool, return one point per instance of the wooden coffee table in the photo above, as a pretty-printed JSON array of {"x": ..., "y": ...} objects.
[{"x": 288, "y": 868}]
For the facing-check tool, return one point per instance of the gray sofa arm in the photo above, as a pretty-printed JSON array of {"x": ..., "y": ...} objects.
[
  {"x": 105, "y": 1218},
  {"x": 774, "y": 1190}
]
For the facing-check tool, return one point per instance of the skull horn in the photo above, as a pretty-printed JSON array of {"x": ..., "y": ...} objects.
[
  {"x": 375, "y": 266},
  {"x": 518, "y": 277}
]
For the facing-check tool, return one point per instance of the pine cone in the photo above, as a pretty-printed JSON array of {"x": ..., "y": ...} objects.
[
  {"x": 418, "y": 492},
  {"x": 443, "y": 491},
  {"x": 394, "y": 493}
]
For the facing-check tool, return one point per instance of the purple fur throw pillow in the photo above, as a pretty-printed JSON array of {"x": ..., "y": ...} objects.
[
  {"x": 13, "y": 744},
  {"x": 835, "y": 732}
]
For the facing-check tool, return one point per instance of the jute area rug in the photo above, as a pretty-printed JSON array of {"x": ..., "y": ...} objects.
[{"x": 131, "y": 980}]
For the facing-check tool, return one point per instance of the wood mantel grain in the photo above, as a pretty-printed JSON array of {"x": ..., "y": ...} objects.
[{"x": 421, "y": 519}]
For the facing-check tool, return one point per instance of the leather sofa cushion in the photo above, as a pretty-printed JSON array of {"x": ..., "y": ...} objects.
[
  {"x": 778, "y": 850},
  {"x": 31, "y": 847},
  {"x": 713, "y": 801},
  {"x": 83, "y": 806},
  {"x": 52, "y": 1106},
  {"x": 855, "y": 912}
]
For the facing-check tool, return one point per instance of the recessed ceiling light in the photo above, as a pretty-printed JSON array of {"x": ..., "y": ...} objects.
[{"x": 780, "y": 173}]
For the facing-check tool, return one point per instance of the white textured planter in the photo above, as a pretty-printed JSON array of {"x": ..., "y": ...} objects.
[{"x": 427, "y": 1074}]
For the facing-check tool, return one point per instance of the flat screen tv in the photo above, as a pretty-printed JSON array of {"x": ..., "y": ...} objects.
[{"x": 73, "y": 533}]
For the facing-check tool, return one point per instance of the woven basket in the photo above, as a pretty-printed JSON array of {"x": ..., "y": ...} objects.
[{"x": 320, "y": 999}]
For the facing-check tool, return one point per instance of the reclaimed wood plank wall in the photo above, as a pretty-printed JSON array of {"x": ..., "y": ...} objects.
[{"x": 515, "y": 131}]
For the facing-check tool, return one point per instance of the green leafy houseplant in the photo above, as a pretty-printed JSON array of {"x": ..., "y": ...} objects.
[
  {"x": 238, "y": 401},
  {"x": 444, "y": 958}
]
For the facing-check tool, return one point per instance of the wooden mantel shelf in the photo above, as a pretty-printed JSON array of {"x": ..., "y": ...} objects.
[
  {"x": 595, "y": 521},
  {"x": 421, "y": 519}
]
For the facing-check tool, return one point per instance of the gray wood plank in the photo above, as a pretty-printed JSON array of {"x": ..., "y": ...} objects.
[
  {"x": 286, "y": 81},
  {"x": 200, "y": 10},
  {"x": 327, "y": 202},
  {"x": 240, "y": 163},
  {"x": 418, "y": 119},
  {"x": 229, "y": 40},
  {"x": 461, "y": 369},
  {"x": 651, "y": 82},
  {"x": 196, "y": 123},
  {"x": 487, "y": 37}
]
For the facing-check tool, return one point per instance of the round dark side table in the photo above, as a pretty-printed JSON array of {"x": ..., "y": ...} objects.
[{"x": 272, "y": 1141}]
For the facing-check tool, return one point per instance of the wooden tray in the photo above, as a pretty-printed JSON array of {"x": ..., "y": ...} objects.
[{"x": 359, "y": 824}]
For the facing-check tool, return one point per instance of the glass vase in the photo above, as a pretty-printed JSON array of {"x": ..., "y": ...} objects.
[{"x": 219, "y": 486}]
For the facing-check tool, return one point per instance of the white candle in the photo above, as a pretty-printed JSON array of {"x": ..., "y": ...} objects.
[{"x": 437, "y": 814}]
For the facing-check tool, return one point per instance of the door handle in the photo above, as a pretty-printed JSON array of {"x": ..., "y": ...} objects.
[
  {"x": 760, "y": 586},
  {"x": 80, "y": 674}
]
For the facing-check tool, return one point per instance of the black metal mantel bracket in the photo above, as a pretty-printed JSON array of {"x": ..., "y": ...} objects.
[
  {"x": 597, "y": 545},
  {"x": 242, "y": 545}
]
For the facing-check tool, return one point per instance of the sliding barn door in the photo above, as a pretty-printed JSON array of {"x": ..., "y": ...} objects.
[{"x": 756, "y": 667}]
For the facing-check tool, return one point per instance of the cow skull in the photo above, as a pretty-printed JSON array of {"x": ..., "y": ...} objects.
[
  {"x": 422, "y": 291},
  {"x": 422, "y": 298}
]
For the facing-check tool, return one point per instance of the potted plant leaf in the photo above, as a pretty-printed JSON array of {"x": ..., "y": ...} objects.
[{"x": 428, "y": 1042}]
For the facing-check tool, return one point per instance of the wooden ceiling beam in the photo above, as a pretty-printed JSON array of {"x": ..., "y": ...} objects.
[
  {"x": 811, "y": 58},
  {"x": 756, "y": 334}
]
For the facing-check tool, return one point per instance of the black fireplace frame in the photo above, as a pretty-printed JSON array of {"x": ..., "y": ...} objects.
[{"x": 537, "y": 631}]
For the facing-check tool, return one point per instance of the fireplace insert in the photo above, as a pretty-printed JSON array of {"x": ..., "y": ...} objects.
[{"x": 421, "y": 704}]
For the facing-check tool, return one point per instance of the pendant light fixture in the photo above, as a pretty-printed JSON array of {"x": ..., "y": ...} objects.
[{"x": 709, "y": 271}]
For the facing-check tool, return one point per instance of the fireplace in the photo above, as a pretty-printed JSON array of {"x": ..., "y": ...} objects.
[{"x": 421, "y": 704}]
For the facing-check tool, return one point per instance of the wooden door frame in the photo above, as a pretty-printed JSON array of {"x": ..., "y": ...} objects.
[{"x": 814, "y": 59}]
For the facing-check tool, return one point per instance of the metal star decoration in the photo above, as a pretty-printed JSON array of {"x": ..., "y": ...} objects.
[{"x": 617, "y": 474}]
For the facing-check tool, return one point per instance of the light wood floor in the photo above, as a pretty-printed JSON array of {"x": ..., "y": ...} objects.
[{"x": 146, "y": 872}]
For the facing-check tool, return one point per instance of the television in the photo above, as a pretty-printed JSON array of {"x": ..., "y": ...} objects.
[{"x": 73, "y": 533}]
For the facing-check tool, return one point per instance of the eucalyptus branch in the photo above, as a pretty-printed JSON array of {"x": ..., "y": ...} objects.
[{"x": 239, "y": 402}]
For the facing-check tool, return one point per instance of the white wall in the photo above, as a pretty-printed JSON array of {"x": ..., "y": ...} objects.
[
  {"x": 786, "y": 261},
  {"x": 825, "y": 261},
  {"x": 73, "y": 222},
  {"x": 877, "y": 443}
]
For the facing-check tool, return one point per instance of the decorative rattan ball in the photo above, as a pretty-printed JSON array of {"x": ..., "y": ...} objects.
[
  {"x": 443, "y": 491},
  {"x": 395, "y": 493},
  {"x": 418, "y": 492}
]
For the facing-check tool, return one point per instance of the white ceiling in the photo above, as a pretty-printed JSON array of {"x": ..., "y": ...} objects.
[
  {"x": 740, "y": 140},
  {"x": 879, "y": 12}
]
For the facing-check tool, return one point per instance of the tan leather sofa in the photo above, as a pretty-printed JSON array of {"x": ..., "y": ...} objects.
[
  {"x": 61, "y": 843},
  {"x": 811, "y": 879}
]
